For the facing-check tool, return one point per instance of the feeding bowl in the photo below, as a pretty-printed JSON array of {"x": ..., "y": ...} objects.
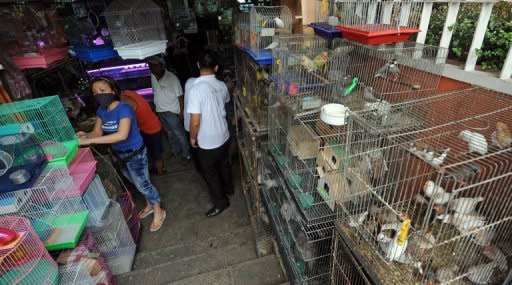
[{"x": 334, "y": 114}]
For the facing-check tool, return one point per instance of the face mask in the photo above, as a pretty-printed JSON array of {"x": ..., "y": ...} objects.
[{"x": 105, "y": 99}]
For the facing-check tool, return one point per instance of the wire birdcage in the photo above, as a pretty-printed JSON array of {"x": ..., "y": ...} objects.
[
  {"x": 242, "y": 29},
  {"x": 136, "y": 28},
  {"x": 377, "y": 21},
  {"x": 114, "y": 240},
  {"x": 24, "y": 260},
  {"x": 47, "y": 120},
  {"x": 97, "y": 201},
  {"x": 75, "y": 274},
  {"x": 267, "y": 22},
  {"x": 345, "y": 267},
  {"x": 433, "y": 194},
  {"x": 304, "y": 247},
  {"x": 393, "y": 72}
]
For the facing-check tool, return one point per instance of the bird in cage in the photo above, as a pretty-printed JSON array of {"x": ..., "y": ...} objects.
[
  {"x": 321, "y": 60},
  {"x": 501, "y": 137},
  {"x": 446, "y": 274},
  {"x": 464, "y": 222},
  {"x": 437, "y": 193},
  {"x": 308, "y": 64},
  {"x": 481, "y": 274},
  {"x": 495, "y": 254},
  {"x": 368, "y": 94},
  {"x": 389, "y": 69},
  {"x": 273, "y": 44},
  {"x": 464, "y": 205},
  {"x": 476, "y": 141},
  {"x": 357, "y": 220},
  {"x": 436, "y": 161},
  {"x": 483, "y": 237},
  {"x": 463, "y": 173}
]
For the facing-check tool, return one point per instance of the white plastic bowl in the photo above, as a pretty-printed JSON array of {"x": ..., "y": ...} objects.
[{"x": 334, "y": 114}]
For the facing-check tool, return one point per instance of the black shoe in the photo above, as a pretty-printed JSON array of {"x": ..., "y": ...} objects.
[{"x": 215, "y": 211}]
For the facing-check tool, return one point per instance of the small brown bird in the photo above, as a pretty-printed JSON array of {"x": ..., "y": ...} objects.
[{"x": 502, "y": 137}]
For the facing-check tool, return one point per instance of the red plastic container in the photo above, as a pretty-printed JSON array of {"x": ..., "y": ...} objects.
[
  {"x": 376, "y": 34},
  {"x": 40, "y": 60}
]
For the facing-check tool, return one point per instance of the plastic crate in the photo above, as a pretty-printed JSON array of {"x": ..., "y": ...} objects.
[
  {"x": 25, "y": 261},
  {"x": 40, "y": 60},
  {"x": 97, "y": 201},
  {"x": 22, "y": 161},
  {"x": 326, "y": 30},
  {"x": 94, "y": 54},
  {"x": 82, "y": 169},
  {"x": 115, "y": 241},
  {"x": 369, "y": 35}
]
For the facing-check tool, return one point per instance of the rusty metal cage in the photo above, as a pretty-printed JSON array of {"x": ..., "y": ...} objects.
[{"x": 432, "y": 195}]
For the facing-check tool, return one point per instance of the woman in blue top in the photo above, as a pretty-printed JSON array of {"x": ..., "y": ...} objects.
[{"x": 116, "y": 125}]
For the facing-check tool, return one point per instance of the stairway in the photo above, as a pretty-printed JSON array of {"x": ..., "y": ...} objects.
[{"x": 193, "y": 249}]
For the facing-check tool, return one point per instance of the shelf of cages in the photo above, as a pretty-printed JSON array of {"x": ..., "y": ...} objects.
[
  {"x": 441, "y": 183},
  {"x": 392, "y": 73},
  {"x": 136, "y": 28},
  {"x": 346, "y": 268},
  {"x": 45, "y": 119},
  {"x": 305, "y": 248},
  {"x": 24, "y": 258},
  {"x": 262, "y": 230},
  {"x": 375, "y": 21}
]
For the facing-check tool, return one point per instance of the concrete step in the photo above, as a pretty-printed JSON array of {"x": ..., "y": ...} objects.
[
  {"x": 241, "y": 236},
  {"x": 176, "y": 269},
  {"x": 261, "y": 271}
]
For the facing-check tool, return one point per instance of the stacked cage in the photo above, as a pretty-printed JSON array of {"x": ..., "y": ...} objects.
[
  {"x": 433, "y": 196},
  {"x": 266, "y": 22},
  {"x": 241, "y": 29},
  {"x": 377, "y": 21},
  {"x": 392, "y": 73},
  {"x": 24, "y": 258},
  {"x": 46, "y": 120},
  {"x": 114, "y": 240},
  {"x": 136, "y": 28}
]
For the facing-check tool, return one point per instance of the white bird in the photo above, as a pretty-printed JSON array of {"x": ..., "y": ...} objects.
[
  {"x": 495, "y": 254},
  {"x": 358, "y": 220},
  {"x": 446, "y": 274},
  {"x": 481, "y": 274},
  {"x": 477, "y": 142},
  {"x": 279, "y": 22},
  {"x": 437, "y": 161},
  {"x": 463, "y": 222},
  {"x": 272, "y": 45},
  {"x": 307, "y": 63},
  {"x": 464, "y": 205},
  {"x": 390, "y": 67},
  {"x": 430, "y": 188}
]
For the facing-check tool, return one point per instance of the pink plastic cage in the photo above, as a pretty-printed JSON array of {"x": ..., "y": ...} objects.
[
  {"x": 85, "y": 249},
  {"x": 23, "y": 257},
  {"x": 82, "y": 169},
  {"x": 40, "y": 60}
]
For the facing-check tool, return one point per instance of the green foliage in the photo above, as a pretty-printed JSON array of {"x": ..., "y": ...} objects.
[{"x": 497, "y": 38}]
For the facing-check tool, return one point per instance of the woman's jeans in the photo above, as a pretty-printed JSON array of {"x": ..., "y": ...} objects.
[{"x": 136, "y": 170}]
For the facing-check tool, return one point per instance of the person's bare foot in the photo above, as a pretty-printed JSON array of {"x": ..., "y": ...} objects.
[
  {"x": 158, "y": 219},
  {"x": 148, "y": 210}
]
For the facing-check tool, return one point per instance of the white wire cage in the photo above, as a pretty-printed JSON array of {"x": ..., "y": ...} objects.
[
  {"x": 97, "y": 201},
  {"x": 376, "y": 21},
  {"x": 393, "y": 72},
  {"x": 429, "y": 191},
  {"x": 24, "y": 258},
  {"x": 304, "y": 247},
  {"x": 267, "y": 22},
  {"x": 136, "y": 28},
  {"x": 114, "y": 240},
  {"x": 75, "y": 274}
]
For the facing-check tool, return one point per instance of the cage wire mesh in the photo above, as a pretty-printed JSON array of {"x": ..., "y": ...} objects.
[
  {"x": 24, "y": 258},
  {"x": 376, "y": 18},
  {"x": 74, "y": 274},
  {"x": 96, "y": 200},
  {"x": 267, "y": 22},
  {"x": 114, "y": 240},
  {"x": 433, "y": 196},
  {"x": 393, "y": 72},
  {"x": 242, "y": 29},
  {"x": 44, "y": 117},
  {"x": 304, "y": 247},
  {"x": 345, "y": 268}
]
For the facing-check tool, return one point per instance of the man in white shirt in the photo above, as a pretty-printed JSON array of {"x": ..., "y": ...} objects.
[
  {"x": 209, "y": 131},
  {"x": 168, "y": 99}
]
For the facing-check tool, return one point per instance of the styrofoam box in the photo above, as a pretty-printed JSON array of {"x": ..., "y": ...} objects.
[{"x": 141, "y": 50}]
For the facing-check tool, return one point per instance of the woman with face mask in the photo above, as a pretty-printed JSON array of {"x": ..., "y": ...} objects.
[{"x": 116, "y": 125}]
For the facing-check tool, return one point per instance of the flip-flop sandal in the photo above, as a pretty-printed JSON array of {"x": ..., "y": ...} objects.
[
  {"x": 143, "y": 214},
  {"x": 162, "y": 219}
]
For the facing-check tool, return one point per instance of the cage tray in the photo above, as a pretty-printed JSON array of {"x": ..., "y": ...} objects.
[
  {"x": 376, "y": 34},
  {"x": 325, "y": 30},
  {"x": 40, "y": 60},
  {"x": 141, "y": 50},
  {"x": 263, "y": 57},
  {"x": 34, "y": 169},
  {"x": 67, "y": 230},
  {"x": 94, "y": 54},
  {"x": 58, "y": 156}
]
